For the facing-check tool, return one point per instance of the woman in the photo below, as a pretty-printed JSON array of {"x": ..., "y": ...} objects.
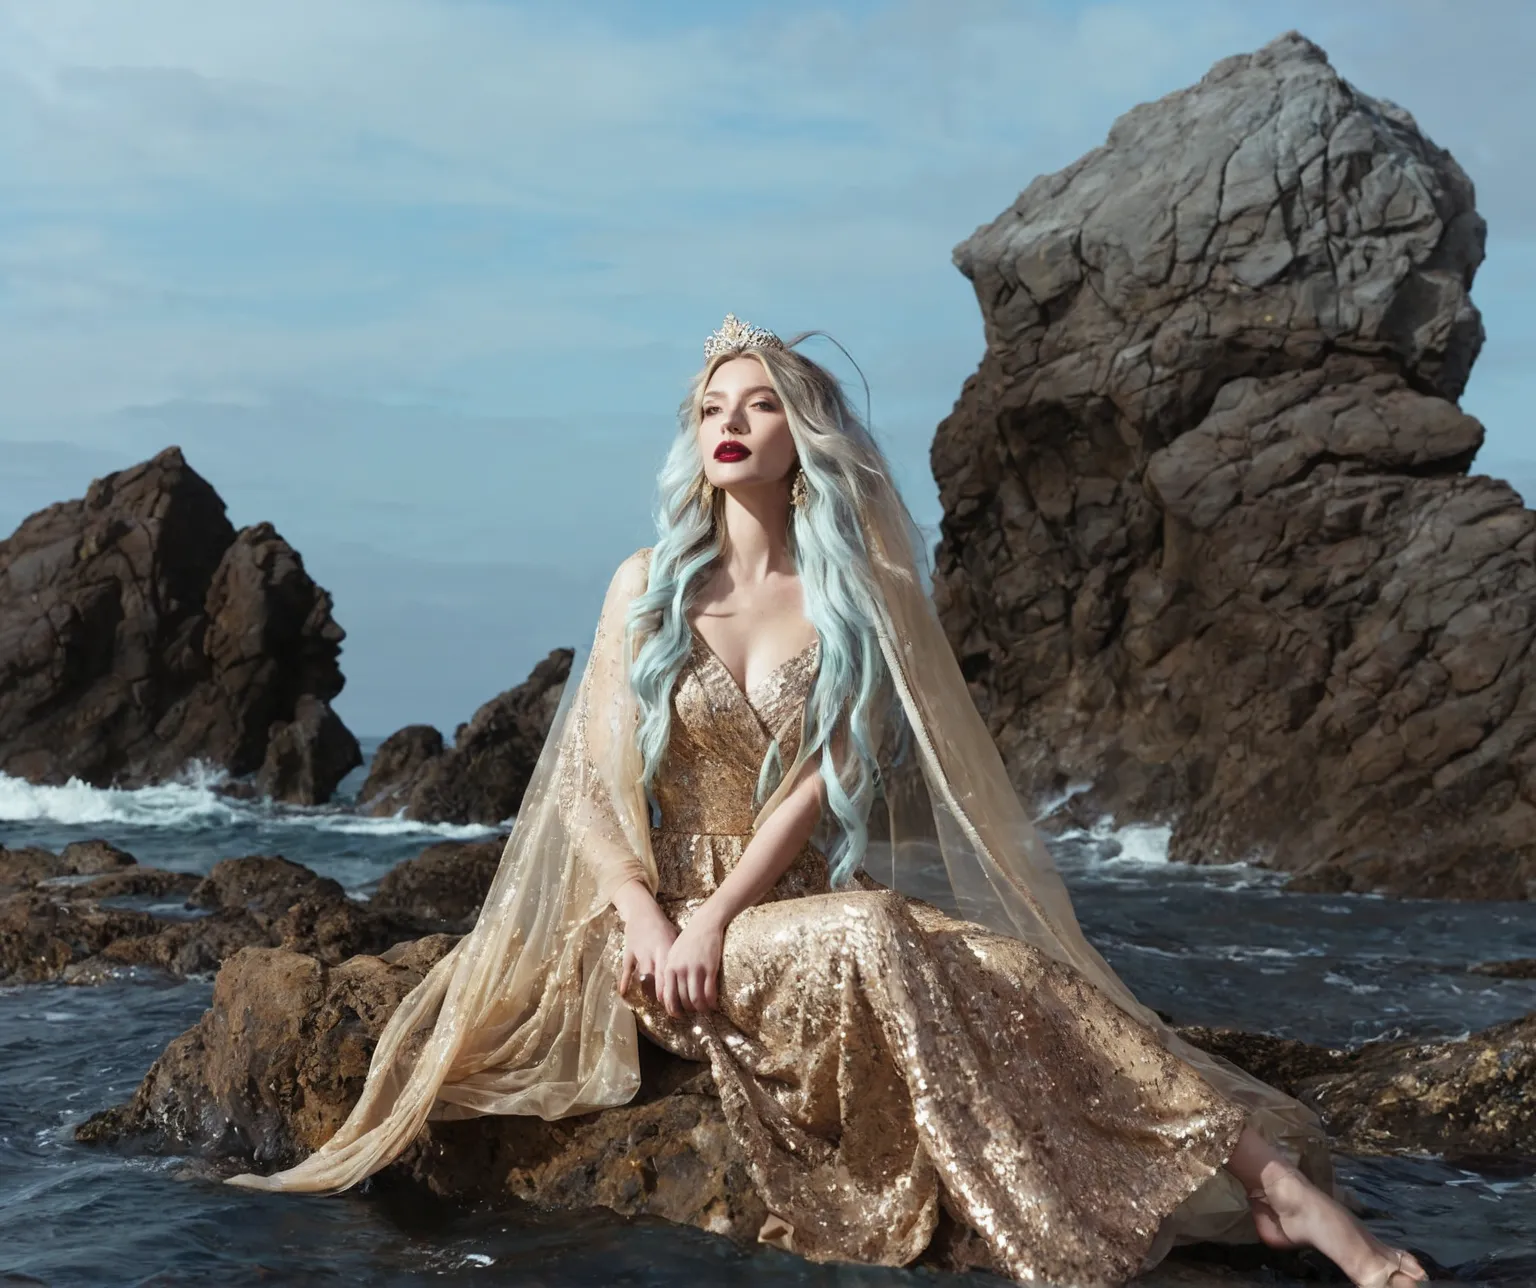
[{"x": 690, "y": 853}]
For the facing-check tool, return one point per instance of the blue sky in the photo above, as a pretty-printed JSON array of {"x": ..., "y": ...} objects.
[{"x": 421, "y": 281}]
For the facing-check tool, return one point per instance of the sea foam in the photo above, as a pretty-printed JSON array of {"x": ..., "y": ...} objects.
[{"x": 192, "y": 803}]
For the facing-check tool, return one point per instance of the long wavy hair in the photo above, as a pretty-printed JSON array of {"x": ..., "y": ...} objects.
[{"x": 853, "y": 692}]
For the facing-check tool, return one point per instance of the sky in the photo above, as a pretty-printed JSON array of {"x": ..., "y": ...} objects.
[{"x": 422, "y": 282}]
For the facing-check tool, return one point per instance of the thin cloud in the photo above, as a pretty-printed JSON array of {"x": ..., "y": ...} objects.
[{"x": 434, "y": 220}]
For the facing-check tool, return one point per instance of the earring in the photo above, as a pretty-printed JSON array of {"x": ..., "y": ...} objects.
[{"x": 799, "y": 490}]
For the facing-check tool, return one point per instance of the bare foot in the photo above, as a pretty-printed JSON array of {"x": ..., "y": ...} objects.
[
  {"x": 1267, "y": 1222},
  {"x": 1289, "y": 1211}
]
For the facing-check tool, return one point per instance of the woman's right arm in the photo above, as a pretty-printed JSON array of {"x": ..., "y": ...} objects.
[{"x": 648, "y": 932}]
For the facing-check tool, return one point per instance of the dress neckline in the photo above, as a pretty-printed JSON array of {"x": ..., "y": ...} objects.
[{"x": 744, "y": 690}]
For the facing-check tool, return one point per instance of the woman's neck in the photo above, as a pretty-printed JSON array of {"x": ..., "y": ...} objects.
[{"x": 756, "y": 534}]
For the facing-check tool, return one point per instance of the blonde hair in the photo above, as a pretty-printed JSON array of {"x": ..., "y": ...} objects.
[{"x": 852, "y": 693}]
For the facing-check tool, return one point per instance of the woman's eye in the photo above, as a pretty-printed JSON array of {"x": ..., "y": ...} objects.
[
  {"x": 710, "y": 411},
  {"x": 765, "y": 405}
]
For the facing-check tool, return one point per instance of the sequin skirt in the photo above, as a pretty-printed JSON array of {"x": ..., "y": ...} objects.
[{"x": 876, "y": 1057}]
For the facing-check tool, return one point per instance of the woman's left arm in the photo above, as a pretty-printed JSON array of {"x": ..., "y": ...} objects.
[{"x": 689, "y": 982}]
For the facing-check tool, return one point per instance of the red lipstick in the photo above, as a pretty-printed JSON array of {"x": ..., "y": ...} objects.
[{"x": 730, "y": 450}]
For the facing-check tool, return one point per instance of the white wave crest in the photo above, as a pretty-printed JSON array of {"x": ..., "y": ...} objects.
[
  {"x": 192, "y": 803},
  {"x": 1136, "y": 845}
]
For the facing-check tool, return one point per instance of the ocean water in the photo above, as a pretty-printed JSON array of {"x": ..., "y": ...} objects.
[{"x": 1220, "y": 945}]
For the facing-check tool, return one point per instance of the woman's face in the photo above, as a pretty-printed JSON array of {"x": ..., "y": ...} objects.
[{"x": 744, "y": 433}]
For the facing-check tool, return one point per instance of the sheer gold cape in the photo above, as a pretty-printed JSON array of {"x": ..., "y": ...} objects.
[{"x": 523, "y": 1016}]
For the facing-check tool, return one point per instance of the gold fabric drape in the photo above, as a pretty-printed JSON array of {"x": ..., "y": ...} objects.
[{"x": 523, "y": 1016}]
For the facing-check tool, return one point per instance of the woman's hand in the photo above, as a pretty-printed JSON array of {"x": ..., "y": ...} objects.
[
  {"x": 689, "y": 980},
  {"x": 648, "y": 936}
]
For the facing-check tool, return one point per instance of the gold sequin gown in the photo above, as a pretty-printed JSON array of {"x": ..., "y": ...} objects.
[{"x": 876, "y": 1057}]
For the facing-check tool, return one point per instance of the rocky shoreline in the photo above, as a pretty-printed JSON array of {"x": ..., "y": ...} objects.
[
  {"x": 309, "y": 978},
  {"x": 77, "y": 916},
  {"x": 1210, "y": 547}
]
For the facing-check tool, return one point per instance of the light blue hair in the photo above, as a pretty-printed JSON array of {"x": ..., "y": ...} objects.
[{"x": 841, "y": 462}]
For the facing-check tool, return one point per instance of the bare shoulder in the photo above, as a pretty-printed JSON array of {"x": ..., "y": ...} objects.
[{"x": 633, "y": 575}]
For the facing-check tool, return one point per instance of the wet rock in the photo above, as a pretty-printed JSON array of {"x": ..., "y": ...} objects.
[
  {"x": 1282, "y": 1062},
  {"x": 442, "y": 888},
  {"x": 41, "y": 936},
  {"x": 137, "y": 882},
  {"x": 22, "y": 869},
  {"x": 190, "y": 947},
  {"x": 139, "y": 632},
  {"x": 399, "y": 762},
  {"x": 50, "y": 917},
  {"x": 261, "y": 900},
  {"x": 307, "y": 756},
  {"x": 1515, "y": 968},
  {"x": 1466, "y": 1097},
  {"x": 272, "y": 1066},
  {"x": 482, "y": 777},
  {"x": 275, "y": 1064},
  {"x": 1209, "y": 540},
  {"x": 58, "y": 921},
  {"x": 264, "y": 884}
]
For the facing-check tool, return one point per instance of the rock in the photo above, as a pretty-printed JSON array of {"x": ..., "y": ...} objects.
[
  {"x": 1461, "y": 1097},
  {"x": 40, "y": 936},
  {"x": 261, "y": 883},
  {"x": 55, "y": 925},
  {"x": 139, "y": 632},
  {"x": 442, "y": 888},
  {"x": 1515, "y": 968},
  {"x": 308, "y": 755},
  {"x": 276, "y": 1062},
  {"x": 25, "y": 868},
  {"x": 261, "y": 900},
  {"x": 50, "y": 918},
  {"x": 1209, "y": 540},
  {"x": 398, "y": 763},
  {"x": 190, "y": 947},
  {"x": 482, "y": 777},
  {"x": 136, "y": 882}
]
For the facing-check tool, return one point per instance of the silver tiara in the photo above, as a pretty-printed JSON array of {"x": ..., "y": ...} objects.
[{"x": 735, "y": 335}]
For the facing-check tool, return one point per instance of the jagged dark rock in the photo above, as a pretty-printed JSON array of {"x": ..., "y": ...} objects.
[
  {"x": 482, "y": 777},
  {"x": 139, "y": 631},
  {"x": 1513, "y": 968},
  {"x": 42, "y": 936},
  {"x": 400, "y": 761},
  {"x": 442, "y": 888},
  {"x": 22, "y": 869},
  {"x": 1209, "y": 540},
  {"x": 1465, "y": 1097},
  {"x": 58, "y": 919}
]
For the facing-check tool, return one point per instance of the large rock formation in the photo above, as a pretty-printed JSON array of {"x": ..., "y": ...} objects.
[
  {"x": 1209, "y": 545},
  {"x": 482, "y": 777},
  {"x": 139, "y": 631}
]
